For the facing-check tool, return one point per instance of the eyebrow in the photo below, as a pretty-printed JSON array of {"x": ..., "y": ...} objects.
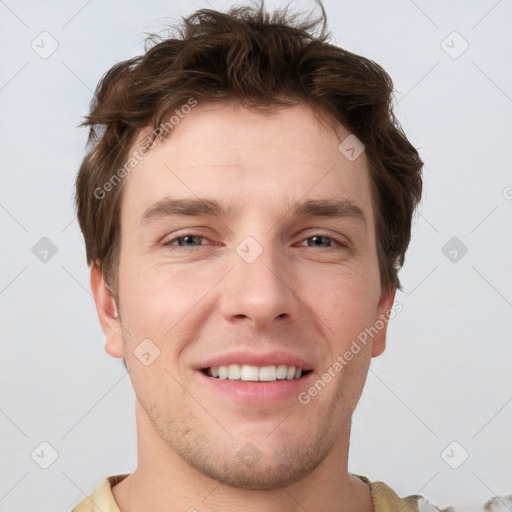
[
  {"x": 310, "y": 208},
  {"x": 329, "y": 208}
]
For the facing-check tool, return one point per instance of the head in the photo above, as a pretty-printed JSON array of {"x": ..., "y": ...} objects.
[{"x": 228, "y": 134}]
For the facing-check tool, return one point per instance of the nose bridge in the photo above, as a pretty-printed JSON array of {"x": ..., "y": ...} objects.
[{"x": 257, "y": 288}]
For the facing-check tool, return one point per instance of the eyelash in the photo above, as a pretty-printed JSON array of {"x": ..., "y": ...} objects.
[{"x": 336, "y": 241}]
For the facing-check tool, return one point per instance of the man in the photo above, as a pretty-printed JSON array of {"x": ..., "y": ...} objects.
[{"x": 246, "y": 204}]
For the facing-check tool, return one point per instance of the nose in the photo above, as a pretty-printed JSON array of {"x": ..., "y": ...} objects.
[{"x": 260, "y": 292}]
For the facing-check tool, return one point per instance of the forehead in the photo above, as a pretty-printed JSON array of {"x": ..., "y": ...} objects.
[{"x": 258, "y": 160}]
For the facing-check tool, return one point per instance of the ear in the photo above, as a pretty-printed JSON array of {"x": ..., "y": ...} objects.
[
  {"x": 107, "y": 313},
  {"x": 381, "y": 321}
]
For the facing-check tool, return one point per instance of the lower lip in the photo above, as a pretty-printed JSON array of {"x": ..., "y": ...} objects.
[{"x": 250, "y": 392}]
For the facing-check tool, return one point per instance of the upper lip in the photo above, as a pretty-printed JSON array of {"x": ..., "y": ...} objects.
[{"x": 247, "y": 356}]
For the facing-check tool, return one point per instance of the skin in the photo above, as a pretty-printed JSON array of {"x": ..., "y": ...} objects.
[{"x": 310, "y": 297}]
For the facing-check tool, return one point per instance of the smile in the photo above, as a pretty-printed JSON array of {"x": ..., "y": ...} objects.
[{"x": 247, "y": 372}]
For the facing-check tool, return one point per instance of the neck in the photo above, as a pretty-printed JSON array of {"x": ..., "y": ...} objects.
[{"x": 164, "y": 481}]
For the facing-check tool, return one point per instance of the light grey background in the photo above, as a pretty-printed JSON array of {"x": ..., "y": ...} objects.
[{"x": 446, "y": 373}]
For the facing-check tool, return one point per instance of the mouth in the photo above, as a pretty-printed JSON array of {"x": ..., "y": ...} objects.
[{"x": 251, "y": 373}]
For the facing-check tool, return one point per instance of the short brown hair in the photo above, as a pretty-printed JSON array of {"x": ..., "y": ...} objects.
[{"x": 263, "y": 61}]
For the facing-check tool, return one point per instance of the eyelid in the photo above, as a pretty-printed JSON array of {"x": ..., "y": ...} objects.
[
  {"x": 339, "y": 240},
  {"x": 175, "y": 237},
  {"x": 335, "y": 236}
]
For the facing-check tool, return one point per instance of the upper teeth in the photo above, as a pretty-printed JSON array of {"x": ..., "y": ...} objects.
[{"x": 255, "y": 373}]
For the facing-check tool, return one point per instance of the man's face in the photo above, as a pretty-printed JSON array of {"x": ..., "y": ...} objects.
[{"x": 260, "y": 282}]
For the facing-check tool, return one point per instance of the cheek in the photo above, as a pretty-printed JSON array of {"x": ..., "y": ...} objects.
[
  {"x": 346, "y": 309},
  {"x": 163, "y": 304},
  {"x": 346, "y": 299}
]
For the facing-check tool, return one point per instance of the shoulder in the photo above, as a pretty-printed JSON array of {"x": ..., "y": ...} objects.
[
  {"x": 386, "y": 500},
  {"x": 102, "y": 497}
]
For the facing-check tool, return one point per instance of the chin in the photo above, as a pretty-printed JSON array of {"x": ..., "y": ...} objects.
[{"x": 249, "y": 468}]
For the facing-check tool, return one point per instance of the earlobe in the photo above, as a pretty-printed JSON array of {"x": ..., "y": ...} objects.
[
  {"x": 381, "y": 321},
  {"x": 107, "y": 313}
]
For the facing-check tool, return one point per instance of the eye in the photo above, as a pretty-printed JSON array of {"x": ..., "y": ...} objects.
[
  {"x": 188, "y": 240},
  {"x": 323, "y": 241}
]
